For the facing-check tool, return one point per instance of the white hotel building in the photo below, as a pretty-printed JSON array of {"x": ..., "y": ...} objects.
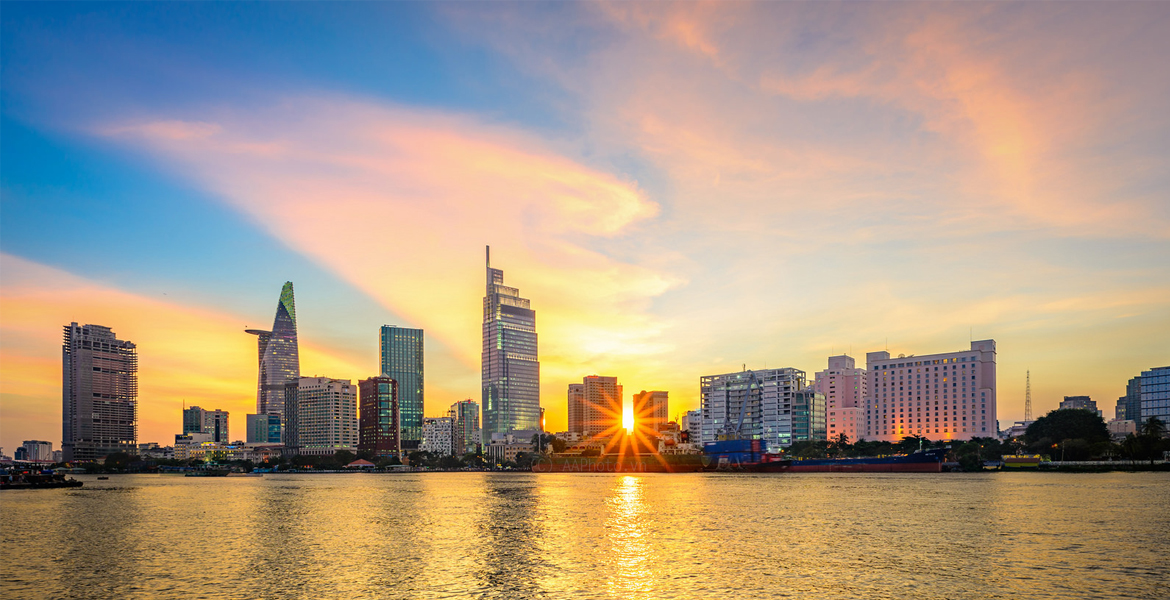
[
  {"x": 938, "y": 396},
  {"x": 327, "y": 415}
]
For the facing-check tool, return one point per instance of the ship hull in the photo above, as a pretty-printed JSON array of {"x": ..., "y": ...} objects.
[{"x": 680, "y": 463}]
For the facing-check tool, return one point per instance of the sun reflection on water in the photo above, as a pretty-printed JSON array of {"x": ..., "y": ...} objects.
[{"x": 630, "y": 575}]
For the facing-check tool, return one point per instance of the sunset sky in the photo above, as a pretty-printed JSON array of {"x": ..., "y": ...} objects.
[{"x": 680, "y": 189}]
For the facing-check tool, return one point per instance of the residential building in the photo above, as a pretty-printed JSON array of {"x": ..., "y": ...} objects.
[
  {"x": 949, "y": 396},
  {"x": 263, "y": 429},
  {"x": 1120, "y": 428},
  {"x": 808, "y": 416},
  {"x": 327, "y": 415},
  {"x": 843, "y": 385},
  {"x": 37, "y": 451},
  {"x": 1132, "y": 400},
  {"x": 402, "y": 361},
  {"x": 1156, "y": 395},
  {"x": 279, "y": 356},
  {"x": 754, "y": 405},
  {"x": 510, "y": 369},
  {"x": 465, "y": 437},
  {"x": 215, "y": 422},
  {"x": 99, "y": 413},
  {"x": 381, "y": 429},
  {"x": 290, "y": 422},
  {"x": 651, "y": 410},
  {"x": 437, "y": 436},
  {"x": 1080, "y": 403},
  {"x": 596, "y": 403},
  {"x": 692, "y": 424}
]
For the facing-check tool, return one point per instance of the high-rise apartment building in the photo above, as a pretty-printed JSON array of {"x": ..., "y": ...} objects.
[
  {"x": 465, "y": 436},
  {"x": 509, "y": 364},
  {"x": 263, "y": 429},
  {"x": 949, "y": 396},
  {"x": 402, "y": 361},
  {"x": 279, "y": 356},
  {"x": 651, "y": 410},
  {"x": 99, "y": 394},
  {"x": 213, "y": 422},
  {"x": 843, "y": 386},
  {"x": 755, "y": 405},
  {"x": 327, "y": 415},
  {"x": 37, "y": 450},
  {"x": 595, "y": 406},
  {"x": 808, "y": 415},
  {"x": 437, "y": 436},
  {"x": 1156, "y": 395},
  {"x": 692, "y": 423},
  {"x": 381, "y": 430}
]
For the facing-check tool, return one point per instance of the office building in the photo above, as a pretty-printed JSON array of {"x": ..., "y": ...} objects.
[
  {"x": 940, "y": 396},
  {"x": 263, "y": 429},
  {"x": 651, "y": 410},
  {"x": 381, "y": 431},
  {"x": 595, "y": 406},
  {"x": 290, "y": 422},
  {"x": 1080, "y": 403},
  {"x": 214, "y": 422},
  {"x": 402, "y": 361},
  {"x": 99, "y": 393},
  {"x": 37, "y": 451},
  {"x": 692, "y": 425},
  {"x": 465, "y": 418},
  {"x": 1156, "y": 395},
  {"x": 808, "y": 416},
  {"x": 279, "y": 356},
  {"x": 437, "y": 436},
  {"x": 753, "y": 405},
  {"x": 327, "y": 416},
  {"x": 843, "y": 385},
  {"x": 510, "y": 370},
  {"x": 1131, "y": 401}
]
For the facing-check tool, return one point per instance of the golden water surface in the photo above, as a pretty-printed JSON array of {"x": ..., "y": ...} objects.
[{"x": 500, "y": 535}]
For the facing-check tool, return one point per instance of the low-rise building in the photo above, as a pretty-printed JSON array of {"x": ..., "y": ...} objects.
[
  {"x": 505, "y": 447},
  {"x": 1080, "y": 403},
  {"x": 1120, "y": 428}
]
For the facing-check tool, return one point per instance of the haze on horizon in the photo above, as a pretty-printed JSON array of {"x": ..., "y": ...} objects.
[{"x": 680, "y": 189}]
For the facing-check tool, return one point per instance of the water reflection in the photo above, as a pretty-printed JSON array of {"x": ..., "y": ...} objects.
[
  {"x": 630, "y": 573},
  {"x": 510, "y": 535}
]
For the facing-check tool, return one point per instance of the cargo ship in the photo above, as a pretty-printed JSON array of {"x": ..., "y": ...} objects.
[
  {"x": 752, "y": 455},
  {"x": 616, "y": 463}
]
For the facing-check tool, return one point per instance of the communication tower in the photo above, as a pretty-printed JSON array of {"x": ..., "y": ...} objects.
[{"x": 1028, "y": 397}]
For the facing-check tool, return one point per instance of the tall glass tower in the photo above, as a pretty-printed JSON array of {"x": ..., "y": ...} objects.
[
  {"x": 510, "y": 370},
  {"x": 402, "y": 361},
  {"x": 279, "y": 358}
]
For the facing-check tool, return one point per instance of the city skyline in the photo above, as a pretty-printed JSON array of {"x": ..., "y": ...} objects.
[{"x": 679, "y": 191}]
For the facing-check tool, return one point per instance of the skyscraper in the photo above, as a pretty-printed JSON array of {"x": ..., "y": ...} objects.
[
  {"x": 651, "y": 410},
  {"x": 211, "y": 422},
  {"x": 510, "y": 369},
  {"x": 380, "y": 417},
  {"x": 1131, "y": 401},
  {"x": 99, "y": 393},
  {"x": 279, "y": 357},
  {"x": 595, "y": 406},
  {"x": 402, "y": 361},
  {"x": 1156, "y": 394}
]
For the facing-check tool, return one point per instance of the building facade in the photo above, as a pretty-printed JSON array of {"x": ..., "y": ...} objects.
[
  {"x": 510, "y": 369},
  {"x": 99, "y": 393},
  {"x": 465, "y": 437},
  {"x": 1156, "y": 395},
  {"x": 1131, "y": 401},
  {"x": 279, "y": 356},
  {"x": 327, "y": 416},
  {"x": 437, "y": 435},
  {"x": 263, "y": 429},
  {"x": 651, "y": 410},
  {"x": 1080, "y": 403},
  {"x": 755, "y": 405},
  {"x": 402, "y": 361},
  {"x": 692, "y": 424},
  {"x": 595, "y": 406},
  {"x": 37, "y": 450},
  {"x": 808, "y": 415},
  {"x": 949, "y": 396},
  {"x": 381, "y": 430},
  {"x": 844, "y": 386},
  {"x": 214, "y": 422}
]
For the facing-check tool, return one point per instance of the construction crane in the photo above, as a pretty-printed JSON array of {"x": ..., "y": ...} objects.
[{"x": 727, "y": 432}]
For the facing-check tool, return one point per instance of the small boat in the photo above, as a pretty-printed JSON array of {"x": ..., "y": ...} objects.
[{"x": 102, "y": 478}]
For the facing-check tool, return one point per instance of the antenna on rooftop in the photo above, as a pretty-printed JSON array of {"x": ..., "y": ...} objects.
[{"x": 1028, "y": 397}]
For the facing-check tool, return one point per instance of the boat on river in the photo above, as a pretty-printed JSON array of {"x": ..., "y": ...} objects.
[
  {"x": 752, "y": 455},
  {"x": 36, "y": 481}
]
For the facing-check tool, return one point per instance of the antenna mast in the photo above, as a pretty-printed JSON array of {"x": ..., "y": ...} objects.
[{"x": 1028, "y": 397}]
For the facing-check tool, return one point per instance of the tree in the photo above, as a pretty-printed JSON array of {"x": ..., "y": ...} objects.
[
  {"x": 1068, "y": 424},
  {"x": 1154, "y": 427}
]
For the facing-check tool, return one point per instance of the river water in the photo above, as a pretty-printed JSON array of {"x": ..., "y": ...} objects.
[{"x": 500, "y": 535}]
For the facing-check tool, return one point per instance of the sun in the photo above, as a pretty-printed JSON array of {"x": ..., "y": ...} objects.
[{"x": 628, "y": 417}]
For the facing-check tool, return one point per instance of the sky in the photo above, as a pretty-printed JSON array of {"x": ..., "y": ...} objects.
[{"x": 680, "y": 189}]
